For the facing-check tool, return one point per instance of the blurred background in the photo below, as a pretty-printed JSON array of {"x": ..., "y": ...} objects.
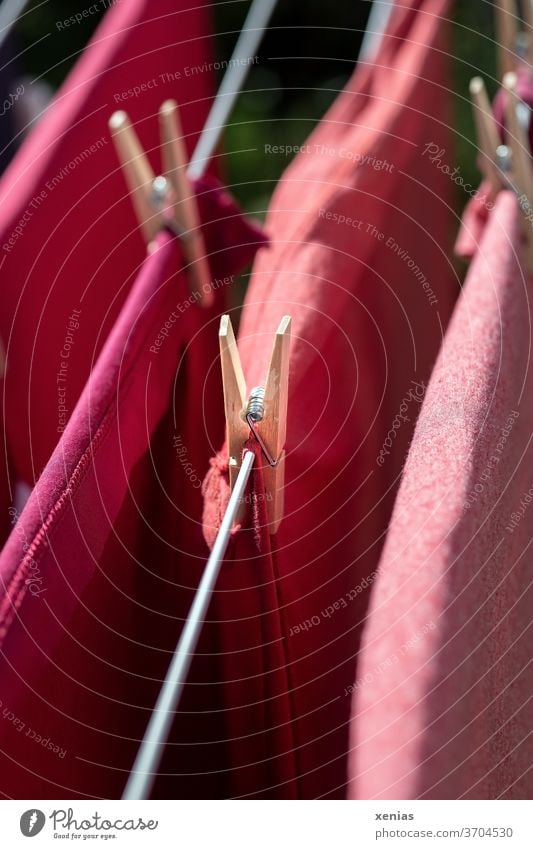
[{"x": 283, "y": 98}]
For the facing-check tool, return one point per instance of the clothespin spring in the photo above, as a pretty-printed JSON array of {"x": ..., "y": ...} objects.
[{"x": 255, "y": 412}]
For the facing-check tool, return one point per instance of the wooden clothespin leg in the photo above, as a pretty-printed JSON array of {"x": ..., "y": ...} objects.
[
  {"x": 486, "y": 134},
  {"x": 167, "y": 200},
  {"x": 521, "y": 162},
  {"x": 263, "y": 414}
]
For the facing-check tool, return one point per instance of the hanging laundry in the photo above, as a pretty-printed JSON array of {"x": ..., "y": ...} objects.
[
  {"x": 70, "y": 244},
  {"x": 524, "y": 90},
  {"x": 360, "y": 229},
  {"x": 100, "y": 569},
  {"x": 441, "y": 702}
]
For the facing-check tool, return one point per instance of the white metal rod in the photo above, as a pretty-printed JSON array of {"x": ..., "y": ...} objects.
[
  {"x": 10, "y": 11},
  {"x": 144, "y": 770},
  {"x": 238, "y": 67},
  {"x": 380, "y": 12}
]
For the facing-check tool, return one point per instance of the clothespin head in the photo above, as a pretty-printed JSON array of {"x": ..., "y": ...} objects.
[
  {"x": 486, "y": 134},
  {"x": 527, "y": 11},
  {"x": 263, "y": 415},
  {"x": 517, "y": 115},
  {"x": 166, "y": 200}
]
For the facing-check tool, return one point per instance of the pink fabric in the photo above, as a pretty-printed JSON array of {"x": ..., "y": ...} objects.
[
  {"x": 100, "y": 570},
  {"x": 442, "y": 702},
  {"x": 524, "y": 89},
  {"x": 365, "y": 334},
  {"x": 69, "y": 237}
]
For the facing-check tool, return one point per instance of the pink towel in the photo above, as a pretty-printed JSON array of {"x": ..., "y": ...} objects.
[
  {"x": 442, "y": 699},
  {"x": 360, "y": 227},
  {"x": 68, "y": 234}
]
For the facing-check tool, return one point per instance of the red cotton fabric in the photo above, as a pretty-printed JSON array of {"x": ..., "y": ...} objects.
[
  {"x": 360, "y": 229},
  {"x": 442, "y": 702},
  {"x": 68, "y": 234},
  {"x": 100, "y": 570}
]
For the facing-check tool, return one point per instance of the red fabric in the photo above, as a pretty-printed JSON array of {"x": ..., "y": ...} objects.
[
  {"x": 78, "y": 245},
  {"x": 442, "y": 701},
  {"x": 364, "y": 338},
  {"x": 100, "y": 570}
]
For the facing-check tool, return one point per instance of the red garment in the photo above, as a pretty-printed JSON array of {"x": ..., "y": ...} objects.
[
  {"x": 75, "y": 242},
  {"x": 364, "y": 338},
  {"x": 100, "y": 570},
  {"x": 442, "y": 701}
]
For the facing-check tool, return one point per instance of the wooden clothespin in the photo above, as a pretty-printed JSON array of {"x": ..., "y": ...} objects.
[
  {"x": 167, "y": 200},
  {"x": 486, "y": 134},
  {"x": 521, "y": 162},
  {"x": 263, "y": 414}
]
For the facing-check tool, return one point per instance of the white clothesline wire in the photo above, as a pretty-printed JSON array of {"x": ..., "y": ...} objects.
[
  {"x": 232, "y": 83},
  {"x": 144, "y": 770}
]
